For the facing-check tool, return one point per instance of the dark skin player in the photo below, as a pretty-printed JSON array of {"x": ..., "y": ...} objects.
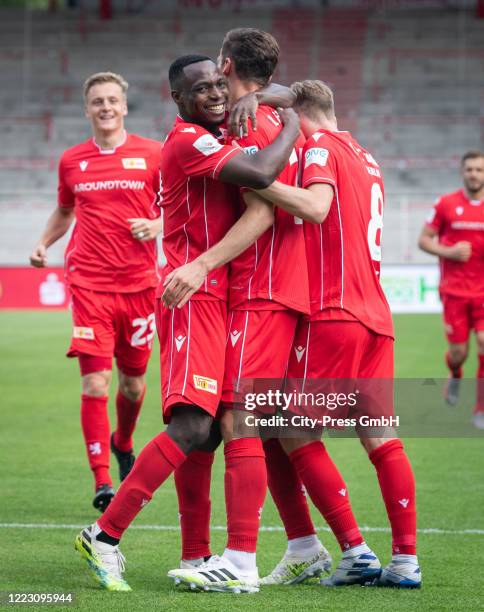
[
  {"x": 200, "y": 93},
  {"x": 201, "y": 97}
]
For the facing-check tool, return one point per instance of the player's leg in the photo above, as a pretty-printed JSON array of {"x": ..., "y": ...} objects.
[
  {"x": 95, "y": 381},
  {"x": 93, "y": 343},
  {"x": 129, "y": 399},
  {"x": 261, "y": 351},
  {"x": 247, "y": 357},
  {"x": 457, "y": 328},
  {"x": 98, "y": 544},
  {"x": 320, "y": 476},
  {"x": 192, "y": 481},
  {"x": 189, "y": 405},
  {"x": 478, "y": 416},
  {"x": 305, "y": 555},
  {"x": 393, "y": 469},
  {"x": 135, "y": 329}
]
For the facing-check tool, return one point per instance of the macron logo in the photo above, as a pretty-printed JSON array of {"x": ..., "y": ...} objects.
[
  {"x": 179, "y": 342},
  {"x": 299, "y": 350},
  {"x": 234, "y": 336},
  {"x": 403, "y": 502},
  {"x": 190, "y": 130},
  {"x": 342, "y": 492},
  {"x": 83, "y": 165}
]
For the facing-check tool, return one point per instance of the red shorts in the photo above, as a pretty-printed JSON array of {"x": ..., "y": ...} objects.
[
  {"x": 114, "y": 324},
  {"x": 192, "y": 354},
  {"x": 328, "y": 350},
  {"x": 258, "y": 346},
  {"x": 461, "y": 315}
]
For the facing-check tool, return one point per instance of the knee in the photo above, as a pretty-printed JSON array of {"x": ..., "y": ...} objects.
[
  {"x": 371, "y": 444},
  {"x": 190, "y": 429},
  {"x": 96, "y": 384},
  {"x": 458, "y": 353},
  {"x": 132, "y": 387}
]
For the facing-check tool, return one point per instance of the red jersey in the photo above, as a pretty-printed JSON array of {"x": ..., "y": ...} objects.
[
  {"x": 344, "y": 252},
  {"x": 198, "y": 209},
  {"x": 107, "y": 187},
  {"x": 456, "y": 218},
  {"x": 274, "y": 267}
]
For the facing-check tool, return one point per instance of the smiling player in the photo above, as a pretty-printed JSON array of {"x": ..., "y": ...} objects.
[
  {"x": 198, "y": 211},
  {"x": 109, "y": 185}
]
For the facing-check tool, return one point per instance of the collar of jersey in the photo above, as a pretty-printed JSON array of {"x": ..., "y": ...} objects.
[
  {"x": 471, "y": 202},
  {"x": 110, "y": 151}
]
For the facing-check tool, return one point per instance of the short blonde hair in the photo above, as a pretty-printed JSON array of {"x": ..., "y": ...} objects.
[
  {"x": 104, "y": 77},
  {"x": 313, "y": 98}
]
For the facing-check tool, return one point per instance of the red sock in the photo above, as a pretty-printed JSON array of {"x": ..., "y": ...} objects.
[
  {"x": 127, "y": 413},
  {"x": 480, "y": 385},
  {"x": 245, "y": 491},
  {"x": 192, "y": 480},
  {"x": 327, "y": 489},
  {"x": 456, "y": 371},
  {"x": 158, "y": 459},
  {"x": 397, "y": 484},
  {"x": 287, "y": 491},
  {"x": 96, "y": 431}
]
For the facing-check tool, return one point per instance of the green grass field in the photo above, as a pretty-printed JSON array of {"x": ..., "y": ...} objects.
[{"x": 45, "y": 481}]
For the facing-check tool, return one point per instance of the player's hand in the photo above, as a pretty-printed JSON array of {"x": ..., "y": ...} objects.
[
  {"x": 289, "y": 118},
  {"x": 460, "y": 251},
  {"x": 144, "y": 229},
  {"x": 38, "y": 257},
  {"x": 244, "y": 109},
  {"x": 182, "y": 283}
]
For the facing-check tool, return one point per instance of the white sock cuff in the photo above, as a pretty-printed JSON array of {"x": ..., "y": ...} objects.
[
  {"x": 304, "y": 545},
  {"x": 357, "y": 550},
  {"x": 244, "y": 561}
]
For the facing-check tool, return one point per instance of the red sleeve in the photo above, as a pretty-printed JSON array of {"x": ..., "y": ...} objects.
[
  {"x": 436, "y": 218},
  {"x": 199, "y": 153},
  {"x": 65, "y": 197},
  {"x": 319, "y": 165},
  {"x": 268, "y": 127}
]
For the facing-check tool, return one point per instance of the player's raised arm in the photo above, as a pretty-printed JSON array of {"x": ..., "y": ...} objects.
[
  {"x": 429, "y": 242},
  {"x": 311, "y": 204},
  {"x": 57, "y": 225},
  {"x": 258, "y": 171},
  {"x": 245, "y": 108},
  {"x": 183, "y": 282}
]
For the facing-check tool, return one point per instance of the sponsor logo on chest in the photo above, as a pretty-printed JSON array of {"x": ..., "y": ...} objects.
[
  {"x": 134, "y": 163},
  {"x": 108, "y": 186}
]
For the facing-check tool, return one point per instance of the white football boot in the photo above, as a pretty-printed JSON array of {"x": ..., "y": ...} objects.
[
  {"x": 451, "y": 392},
  {"x": 403, "y": 572},
  {"x": 105, "y": 562},
  {"x": 217, "y": 574},
  {"x": 359, "y": 565},
  {"x": 478, "y": 420},
  {"x": 294, "y": 569}
]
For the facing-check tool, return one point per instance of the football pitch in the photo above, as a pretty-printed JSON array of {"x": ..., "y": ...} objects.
[{"x": 46, "y": 492}]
